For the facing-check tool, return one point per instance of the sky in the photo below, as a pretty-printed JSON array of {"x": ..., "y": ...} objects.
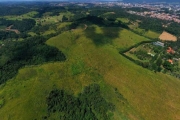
[{"x": 103, "y": 0}]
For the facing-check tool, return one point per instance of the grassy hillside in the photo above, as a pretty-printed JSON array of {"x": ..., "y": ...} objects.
[{"x": 93, "y": 57}]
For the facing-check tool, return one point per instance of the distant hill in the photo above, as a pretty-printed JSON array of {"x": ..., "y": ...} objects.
[{"x": 151, "y": 0}]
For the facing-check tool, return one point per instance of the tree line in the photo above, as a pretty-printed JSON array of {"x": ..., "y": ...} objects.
[
  {"x": 88, "y": 105},
  {"x": 32, "y": 51}
]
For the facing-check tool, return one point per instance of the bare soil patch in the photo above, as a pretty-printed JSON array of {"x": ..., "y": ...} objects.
[
  {"x": 13, "y": 30},
  {"x": 165, "y": 36}
]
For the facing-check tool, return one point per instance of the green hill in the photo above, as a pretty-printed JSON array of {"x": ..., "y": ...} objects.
[{"x": 92, "y": 58}]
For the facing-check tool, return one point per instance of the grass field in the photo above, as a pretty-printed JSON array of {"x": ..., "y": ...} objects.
[
  {"x": 49, "y": 32},
  {"x": 150, "y": 34},
  {"x": 20, "y": 17},
  {"x": 32, "y": 33},
  {"x": 50, "y": 19},
  {"x": 124, "y": 20},
  {"x": 62, "y": 25},
  {"x": 146, "y": 95}
]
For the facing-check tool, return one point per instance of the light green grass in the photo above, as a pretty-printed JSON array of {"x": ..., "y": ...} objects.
[
  {"x": 149, "y": 95},
  {"x": 133, "y": 25},
  {"x": 30, "y": 14},
  {"x": 50, "y": 19},
  {"x": 124, "y": 20},
  {"x": 20, "y": 17},
  {"x": 49, "y": 32},
  {"x": 63, "y": 24},
  {"x": 32, "y": 33},
  {"x": 151, "y": 34},
  {"x": 46, "y": 19},
  {"x": 127, "y": 39}
]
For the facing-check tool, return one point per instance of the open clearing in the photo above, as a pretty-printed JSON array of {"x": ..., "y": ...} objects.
[
  {"x": 150, "y": 34},
  {"x": 150, "y": 96},
  {"x": 165, "y": 36}
]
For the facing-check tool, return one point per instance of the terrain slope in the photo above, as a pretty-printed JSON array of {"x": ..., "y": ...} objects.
[{"x": 93, "y": 57}]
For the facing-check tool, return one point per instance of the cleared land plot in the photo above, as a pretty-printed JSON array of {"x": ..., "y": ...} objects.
[{"x": 165, "y": 36}]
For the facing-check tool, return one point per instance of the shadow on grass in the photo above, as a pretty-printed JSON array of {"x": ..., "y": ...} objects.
[{"x": 105, "y": 37}]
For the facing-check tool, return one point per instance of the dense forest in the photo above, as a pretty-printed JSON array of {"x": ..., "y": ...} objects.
[
  {"x": 33, "y": 51},
  {"x": 21, "y": 25},
  {"x": 88, "y": 105}
]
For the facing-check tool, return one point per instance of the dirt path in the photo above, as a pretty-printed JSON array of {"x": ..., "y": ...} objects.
[
  {"x": 13, "y": 30},
  {"x": 85, "y": 26}
]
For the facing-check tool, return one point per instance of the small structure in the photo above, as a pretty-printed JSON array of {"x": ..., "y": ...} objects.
[
  {"x": 170, "y": 50},
  {"x": 151, "y": 54},
  {"x": 170, "y": 61},
  {"x": 158, "y": 44}
]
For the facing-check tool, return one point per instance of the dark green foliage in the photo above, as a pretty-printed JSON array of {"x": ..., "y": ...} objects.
[
  {"x": 24, "y": 25},
  {"x": 102, "y": 38},
  {"x": 32, "y": 51},
  {"x": 89, "y": 105},
  {"x": 41, "y": 28},
  {"x": 21, "y": 25},
  {"x": 64, "y": 19},
  {"x": 53, "y": 10},
  {"x": 174, "y": 28},
  {"x": 142, "y": 55},
  {"x": 152, "y": 24},
  {"x": 168, "y": 65},
  {"x": 102, "y": 22},
  {"x": 6, "y": 35},
  {"x": 13, "y": 10}
]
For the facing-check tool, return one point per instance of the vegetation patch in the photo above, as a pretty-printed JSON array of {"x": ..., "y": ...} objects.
[
  {"x": 87, "y": 105},
  {"x": 1, "y": 103},
  {"x": 16, "y": 55}
]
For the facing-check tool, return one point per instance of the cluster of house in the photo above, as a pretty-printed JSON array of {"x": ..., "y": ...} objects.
[
  {"x": 154, "y": 14},
  {"x": 169, "y": 51}
]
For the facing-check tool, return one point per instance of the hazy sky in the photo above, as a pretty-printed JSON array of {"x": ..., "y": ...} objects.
[{"x": 103, "y": 0}]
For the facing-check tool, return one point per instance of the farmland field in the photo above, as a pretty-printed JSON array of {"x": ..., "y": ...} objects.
[{"x": 165, "y": 36}]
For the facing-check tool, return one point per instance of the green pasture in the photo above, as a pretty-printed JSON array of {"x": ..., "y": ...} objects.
[
  {"x": 49, "y": 32},
  {"x": 32, "y": 33},
  {"x": 150, "y": 34},
  {"x": 124, "y": 20},
  {"x": 93, "y": 57},
  {"x": 20, "y": 17}
]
